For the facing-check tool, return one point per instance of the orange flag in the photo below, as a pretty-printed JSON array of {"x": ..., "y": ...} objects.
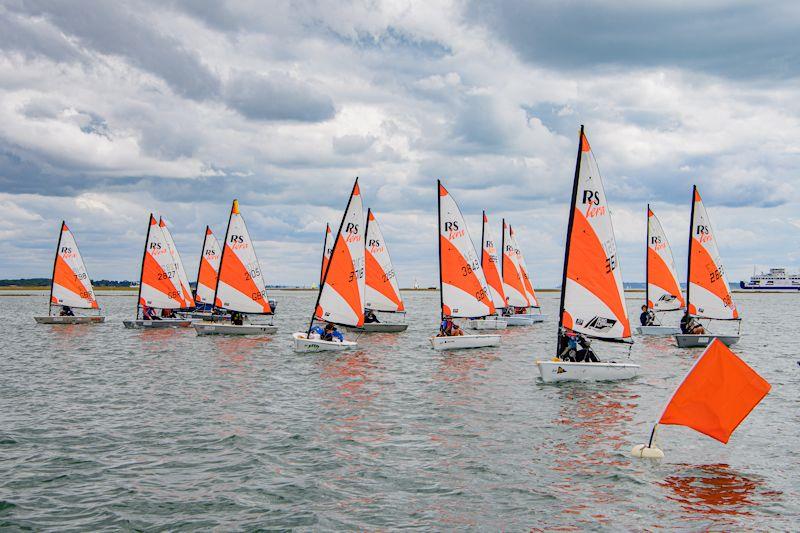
[{"x": 717, "y": 394}]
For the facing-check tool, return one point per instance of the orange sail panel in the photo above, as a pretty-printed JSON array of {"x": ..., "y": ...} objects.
[
  {"x": 240, "y": 284},
  {"x": 708, "y": 293},
  {"x": 716, "y": 395},
  {"x": 463, "y": 285},
  {"x": 594, "y": 302},
  {"x": 181, "y": 281},
  {"x": 158, "y": 271},
  {"x": 341, "y": 297},
  {"x": 71, "y": 285},
  {"x": 326, "y": 252},
  {"x": 209, "y": 268},
  {"x": 663, "y": 288},
  {"x": 513, "y": 285},
  {"x": 382, "y": 292},
  {"x": 490, "y": 262}
]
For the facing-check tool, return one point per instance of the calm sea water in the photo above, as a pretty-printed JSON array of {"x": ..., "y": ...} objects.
[{"x": 107, "y": 428}]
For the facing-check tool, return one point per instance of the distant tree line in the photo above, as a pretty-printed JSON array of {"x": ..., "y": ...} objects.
[{"x": 45, "y": 282}]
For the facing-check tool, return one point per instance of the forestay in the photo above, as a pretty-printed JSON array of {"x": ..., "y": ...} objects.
[
  {"x": 593, "y": 301},
  {"x": 513, "y": 285},
  {"x": 181, "y": 280},
  {"x": 341, "y": 297},
  {"x": 708, "y": 294},
  {"x": 523, "y": 272},
  {"x": 490, "y": 262},
  {"x": 208, "y": 270},
  {"x": 240, "y": 284},
  {"x": 382, "y": 291},
  {"x": 71, "y": 284},
  {"x": 156, "y": 288},
  {"x": 663, "y": 288},
  {"x": 463, "y": 286}
]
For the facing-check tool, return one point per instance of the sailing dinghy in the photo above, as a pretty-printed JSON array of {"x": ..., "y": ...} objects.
[
  {"x": 240, "y": 286},
  {"x": 533, "y": 301},
  {"x": 462, "y": 285},
  {"x": 181, "y": 280},
  {"x": 489, "y": 264},
  {"x": 592, "y": 298},
  {"x": 382, "y": 292},
  {"x": 207, "y": 272},
  {"x": 708, "y": 294},
  {"x": 70, "y": 285},
  {"x": 340, "y": 299},
  {"x": 513, "y": 283},
  {"x": 158, "y": 283},
  {"x": 662, "y": 289}
]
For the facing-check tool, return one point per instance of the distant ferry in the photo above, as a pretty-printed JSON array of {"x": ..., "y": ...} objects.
[{"x": 776, "y": 280}]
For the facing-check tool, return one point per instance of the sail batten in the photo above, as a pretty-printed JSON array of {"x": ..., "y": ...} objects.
[
  {"x": 708, "y": 294},
  {"x": 70, "y": 284},
  {"x": 593, "y": 301},
  {"x": 382, "y": 292},
  {"x": 662, "y": 285},
  {"x": 240, "y": 283},
  {"x": 464, "y": 292},
  {"x": 341, "y": 294}
]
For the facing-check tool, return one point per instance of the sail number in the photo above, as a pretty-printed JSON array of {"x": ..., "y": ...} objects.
[
  {"x": 716, "y": 274},
  {"x": 81, "y": 276},
  {"x": 253, "y": 273},
  {"x": 355, "y": 274},
  {"x": 611, "y": 263},
  {"x": 388, "y": 275},
  {"x": 466, "y": 270},
  {"x": 166, "y": 275}
]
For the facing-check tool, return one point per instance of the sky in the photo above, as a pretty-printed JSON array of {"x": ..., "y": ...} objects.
[{"x": 112, "y": 110}]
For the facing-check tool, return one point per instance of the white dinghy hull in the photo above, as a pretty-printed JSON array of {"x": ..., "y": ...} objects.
[
  {"x": 464, "y": 341},
  {"x": 305, "y": 345},
  {"x": 380, "y": 327},
  {"x": 487, "y": 324},
  {"x": 686, "y": 340},
  {"x": 157, "y": 324},
  {"x": 220, "y": 328},
  {"x": 69, "y": 319},
  {"x": 556, "y": 371},
  {"x": 519, "y": 320},
  {"x": 657, "y": 330}
]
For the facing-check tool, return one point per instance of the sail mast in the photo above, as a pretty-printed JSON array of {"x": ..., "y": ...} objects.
[
  {"x": 222, "y": 254},
  {"x": 200, "y": 264},
  {"x": 647, "y": 261},
  {"x": 569, "y": 236},
  {"x": 689, "y": 255},
  {"x": 439, "y": 240},
  {"x": 333, "y": 250},
  {"x": 53, "y": 275},
  {"x": 503, "y": 261},
  {"x": 141, "y": 272}
]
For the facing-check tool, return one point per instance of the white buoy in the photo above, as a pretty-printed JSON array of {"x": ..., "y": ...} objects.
[{"x": 647, "y": 452}]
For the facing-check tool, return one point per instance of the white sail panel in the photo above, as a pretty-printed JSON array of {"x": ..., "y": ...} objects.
[
  {"x": 209, "y": 269},
  {"x": 709, "y": 295},
  {"x": 594, "y": 301},
  {"x": 463, "y": 285},
  {"x": 158, "y": 270},
  {"x": 382, "y": 292},
  {"x": 341, "y": 298},
  {"x": 663, "y": 287},
  {"x": 240, "y": 285},
  {"x": 513, "y": 285},
  {"x": 181, "y": 280},
  {"x": 71, "y": 284}
]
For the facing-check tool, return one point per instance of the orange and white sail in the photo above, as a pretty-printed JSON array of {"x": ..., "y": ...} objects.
[
  {"x": 156, "y": 288},
  {"x": 240, "y": 283},
  {"x": 513, "y": 285},
  {"x": 708, "y": 294},
  {"x": 382, "y": 292},
  {"x": 523, "y": 272},
  {"x": 71, "y": 284},
  {"x": 490, "y": 262},
  {"x": 464, "y": 291},
  {"x": 663, "y": 287},
  {"x": 341, "y": 296},
  {"x": 593, "y": 301},
  {"x": 208, "y": 270},
  {"x": 181, "y": 280},
  {"x": 327, "y": 248}
]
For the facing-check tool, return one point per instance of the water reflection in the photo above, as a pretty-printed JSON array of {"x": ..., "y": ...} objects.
[{"x": 712, "y": 489}]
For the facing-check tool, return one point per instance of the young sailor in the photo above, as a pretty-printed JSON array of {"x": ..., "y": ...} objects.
[
  {"x": 690, "y": 325},
  {"x": 331, "y": 333},
  {"x": 370, "y": 318},
  {"x": 66, "y": 311},
  {"x": 646, "y": 318}
]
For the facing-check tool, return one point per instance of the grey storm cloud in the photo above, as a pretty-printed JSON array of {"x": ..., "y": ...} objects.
[
  {"x": 737, "y": 39},
  {"x": 277, "y": 96}
]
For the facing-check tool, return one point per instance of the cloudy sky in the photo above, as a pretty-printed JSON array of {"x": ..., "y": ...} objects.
[{"x": 111, "y": 110}]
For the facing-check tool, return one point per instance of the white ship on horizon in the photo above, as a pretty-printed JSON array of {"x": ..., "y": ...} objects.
[{"x": 776, "y": 280}]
